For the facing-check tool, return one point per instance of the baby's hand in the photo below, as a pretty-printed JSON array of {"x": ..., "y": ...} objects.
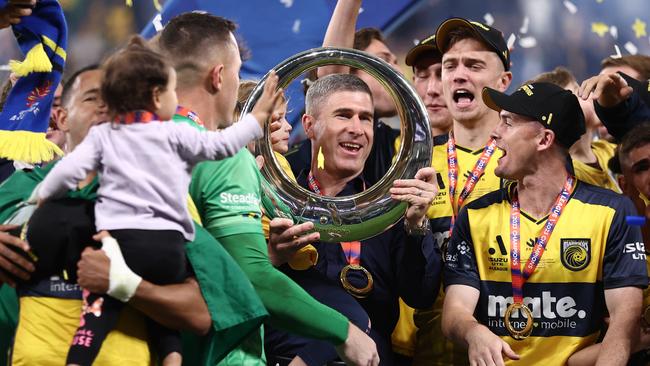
[
  {"x": 101, "y": 235},
  {"x": 270, "y": 100}
]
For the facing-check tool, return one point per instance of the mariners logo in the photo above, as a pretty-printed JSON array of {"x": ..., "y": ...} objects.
[{"x": 575, "y": 253}]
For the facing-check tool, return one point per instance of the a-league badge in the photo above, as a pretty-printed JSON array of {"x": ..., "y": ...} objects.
[{"x": 575, "y": 253}]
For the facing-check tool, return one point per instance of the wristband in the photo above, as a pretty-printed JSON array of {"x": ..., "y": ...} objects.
[
  {"x": 122, "y": 281},
  {"x": 417, "y": 230}
]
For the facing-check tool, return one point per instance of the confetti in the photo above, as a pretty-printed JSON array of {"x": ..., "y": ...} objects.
[
  {"x": 599, "y": 28},
  {"x": 618, "y": 52},
  {"x": 639, "y": 28},
  {"x": 488, "y": 18},
  {"x": 287, "y": 3},
  {"x": 613, "y": 31},
  {"x": 631, "y": 48},
  {"x": 5, "y": 68},
  {"x": 156, "y": 4},
  {"x": 157, "y": 22},
  {"x": 511, "y": 40},
  {"x": 360, "y": 10},
  {"x": 528, "y": 42},
  {"x": 571, "y": 7},
  {"x": 416, "y": 41},
  {"x": 524, "y": 27},
  {"x": 296, "y": 26},
  {"x": 320, "y": 159},
  {"x": 599, "y": 1}
]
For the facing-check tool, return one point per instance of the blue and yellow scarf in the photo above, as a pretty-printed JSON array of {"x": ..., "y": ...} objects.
[{"x": 42, "y": 37}]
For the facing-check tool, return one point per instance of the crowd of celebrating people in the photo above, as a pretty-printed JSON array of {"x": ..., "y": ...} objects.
[{"x": 146, "y": 243}]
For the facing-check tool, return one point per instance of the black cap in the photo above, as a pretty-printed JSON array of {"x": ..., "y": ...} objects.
[
  {"x": 492, "y": 37},
  {"x": 555, "y": 108},
  {"x": 640, "y": 87},
  {"x": 426, "y": 46}
]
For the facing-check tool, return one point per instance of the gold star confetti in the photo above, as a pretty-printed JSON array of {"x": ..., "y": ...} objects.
[
  {"x": 599, "y": 28},
  {"x": 639, "y": 28}
]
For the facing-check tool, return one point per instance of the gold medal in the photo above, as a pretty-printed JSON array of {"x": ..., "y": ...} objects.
[
  {"x": 516, "y": 334},
  {"x": 356, "y": 291}
]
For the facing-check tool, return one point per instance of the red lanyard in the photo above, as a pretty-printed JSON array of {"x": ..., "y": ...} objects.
[
  {"x": 470, "y": 183},
  {"x": 518, "y": 279},
  {"x": 182, "y": 111},
  {"x": 135, "y": 117},
  {"x": 352, "y": 249}
]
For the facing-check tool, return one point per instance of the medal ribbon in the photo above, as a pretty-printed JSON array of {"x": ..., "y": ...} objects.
[
  {"x": 475, "y": 174},
  {"x": 519, "y": 278},
  {"x": 351, "y": 249},
  {"x": 182, "y": 111},
  {"x": 136, "y": 117}
]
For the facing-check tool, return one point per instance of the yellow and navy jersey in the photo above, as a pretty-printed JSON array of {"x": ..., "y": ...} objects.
[
  {"x": 601, "y": 177},
  {"x": 440, "y": 211},
  {"x": 591, "y": 250},
  {"x": 432, "y": 348}
]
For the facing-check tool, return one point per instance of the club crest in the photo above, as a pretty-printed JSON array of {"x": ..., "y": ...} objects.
[{"x": 575, "y": 253}]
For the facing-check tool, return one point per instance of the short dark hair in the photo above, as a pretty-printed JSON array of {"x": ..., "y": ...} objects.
[
  {"x": 69, "y": 83},
  {"x": 640, "y": 63},
  {"x": 635, "y": 138},
  {"x": 560, "y": 76},
  {"x": 322, "y": 88},
  {"x": 189, "y": 37},
  {"x": 459, "y": 33},
  {"x": 364, "y": 36},
  {"x": 130, "y": 77}
]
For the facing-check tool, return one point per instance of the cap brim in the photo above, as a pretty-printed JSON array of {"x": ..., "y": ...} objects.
[
  {"x": 640, "y": 87},
  {"x": 447, "y": 26},
  {"x": 417, "y": 51},
  {"x": 499, "y": 101}
]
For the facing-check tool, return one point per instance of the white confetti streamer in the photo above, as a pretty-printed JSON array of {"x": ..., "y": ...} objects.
[
  {"x": 488, "y": 18},
  {"x": 287, "y": 3},
  {"x": 524, "y": 26},
  {"x": 613, "y": 31},
  {"x": 416, "y": 41},
  {"x": 360, "y": 10},
  {"x": 631, "y": 48},
  {"x": 571, "y": 7},
  {"x": 528, "y": 42},
  {"x": 511, "y": 40},
  {"x": 157, "y": 22},
  {"x": 5, "y": 68},
  {"x": 618, "y": 52},
  {"x": 296, "y": 26}
]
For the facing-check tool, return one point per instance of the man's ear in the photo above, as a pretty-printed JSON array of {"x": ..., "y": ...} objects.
[
  {"x": 546, "y": 139},
  {"x": 216, "y": 78},
  {"x": 308, "y": 125},
  {"x": 622, "y": 183},
  {"x": 504, "y": 81},
  {"x": 61, "y": 119}
]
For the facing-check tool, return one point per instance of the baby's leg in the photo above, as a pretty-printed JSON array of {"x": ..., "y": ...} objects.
[
  {"x": 166, "y": 342},
  {"x": 159, "y": 257},
  {"x": 99, "y": 316}
]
